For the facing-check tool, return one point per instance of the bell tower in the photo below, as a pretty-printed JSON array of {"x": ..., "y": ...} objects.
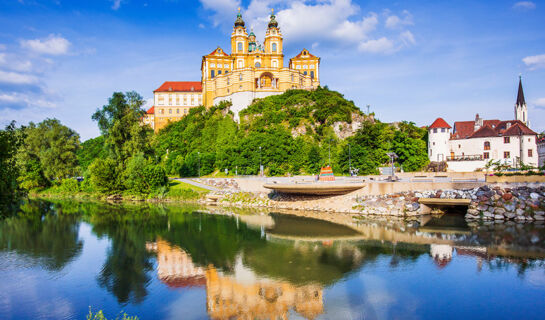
[
  {"x": 521, "y": 110},
  {"x": 273, "y": 42},
  {"x": 239, "y": 37}
]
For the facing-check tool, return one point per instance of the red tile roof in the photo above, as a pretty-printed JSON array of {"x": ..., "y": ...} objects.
[
  {"x": 439, "y": 123},
  {"x": 180, "y": 86},
  {"x": 490, "y": 128},
  {"x": 217, "y": 52},
  {"x": 151, "y": 110}
]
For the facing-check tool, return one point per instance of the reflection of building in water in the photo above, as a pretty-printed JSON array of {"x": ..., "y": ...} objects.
[
  {"x": 240, "y": 295},
  {"x": 441, "y": 254},
  {"x": 175, "y": 267}
]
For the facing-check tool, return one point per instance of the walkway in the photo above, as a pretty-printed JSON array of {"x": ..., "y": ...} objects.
[{"x": 197, "y": 184}]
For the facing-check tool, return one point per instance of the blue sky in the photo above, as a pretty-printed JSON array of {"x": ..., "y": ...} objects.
[{"x": 409, "y": 60}]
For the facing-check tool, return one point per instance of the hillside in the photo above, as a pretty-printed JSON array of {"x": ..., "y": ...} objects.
[{"x": 293, "y": 132}]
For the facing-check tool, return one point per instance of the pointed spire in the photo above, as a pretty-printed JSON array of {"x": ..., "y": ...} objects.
[{"x": 520, "y": 95}]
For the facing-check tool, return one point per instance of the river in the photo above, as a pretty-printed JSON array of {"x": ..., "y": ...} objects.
[{"x": 60, "y": 258}]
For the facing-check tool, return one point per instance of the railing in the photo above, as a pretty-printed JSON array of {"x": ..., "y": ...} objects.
[{"x": 472, "y": 157}]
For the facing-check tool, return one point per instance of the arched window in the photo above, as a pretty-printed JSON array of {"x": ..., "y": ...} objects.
[
  {"x": 312, "y": 74},
  {"x": 212, "y": 74},
  {"x": 240, "y": 63},
  {"x": 275, "y": 64},
  {"x": 258, "y": 65},
  {"x": 305, "y": 73},
  {"x": 274, "y": 47},
  {"x": 292, "y": 78},
  {"x": 240, "y": 77},
  {"x": 239, "y": 47},
  {"x": 487, "y": 145}
]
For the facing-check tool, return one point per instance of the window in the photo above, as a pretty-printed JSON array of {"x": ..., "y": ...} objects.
[
  {"x": 433, "y": 143},
  {"x": 530, "y": 153},
  {"x": 506, "y": 155},
  {"x": 506, "y": 139},
  {"x": 169, "y": 99},
  {"x": 228, "y": 81},
  {"x": 305, "y": 73},
  {"x": 162, "y": 111},
  {"x": 459, "y": 146},
  {"x": 442, "y": 129},
  {"x": 219, "y": 72},
  {"x": 185, "y": 99},
  {"x": 487, "y": 145},
  {"x": 239, "y": 47},
  {"x": 240, "y": 77},
  {"x": 434, "y": 130},
  {"x": 200, "y": 100},
  {"x": 486, "y": 155},
  {"x": 177, "y": 99},
  {"x": 240, "y": 64},
  {"x": 161, "y": 100},
  {"x": 292, "y": 78},
  {"x": 258, "y": 65},
  {"x": 274, "y": 47},
  {"x": 212, "y": 74},
  {"x": 275, "y": 64},
  {"x": 226, "y": 71},
  {"x": 312, "y": 74},
  {"x": 170, "y": 111}
]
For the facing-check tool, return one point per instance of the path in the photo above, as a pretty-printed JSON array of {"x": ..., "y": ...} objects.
[{"x": 197, "y": 184}]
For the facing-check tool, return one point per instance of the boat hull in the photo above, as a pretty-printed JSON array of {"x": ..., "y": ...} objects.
[{"x": 315, "y": 188}]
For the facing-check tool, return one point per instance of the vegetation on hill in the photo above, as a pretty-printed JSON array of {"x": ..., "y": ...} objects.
[{"x": 295, "y": 132}]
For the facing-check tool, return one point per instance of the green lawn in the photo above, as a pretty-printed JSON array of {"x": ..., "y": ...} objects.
[{"x": 175, "y": 184}]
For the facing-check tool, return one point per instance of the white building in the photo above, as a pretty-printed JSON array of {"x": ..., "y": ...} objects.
[
  {"x": 541, "y": 151},
  {"x": 472, "y": 144}
]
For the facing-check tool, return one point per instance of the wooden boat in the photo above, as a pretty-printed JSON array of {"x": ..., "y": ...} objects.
[{"x": 316, "y": 188}]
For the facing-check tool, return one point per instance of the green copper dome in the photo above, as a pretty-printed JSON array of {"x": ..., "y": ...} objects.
[
  {"x": 239, "y": 22},
  {"x": 273, "y": 23}
]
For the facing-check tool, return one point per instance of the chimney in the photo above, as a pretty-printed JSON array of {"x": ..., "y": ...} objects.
[{"x": 478, "y": 122}]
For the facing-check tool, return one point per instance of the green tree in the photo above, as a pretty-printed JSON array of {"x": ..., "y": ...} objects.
[
  {"x": 90, "y": 150},
  {"x": 104, "y": 175},
  {"x": 10, "y": 141},
  {"x": 142, "y": 176},
  {"x": 119, "y": 122},
  {"x": 54, "y": 146}
]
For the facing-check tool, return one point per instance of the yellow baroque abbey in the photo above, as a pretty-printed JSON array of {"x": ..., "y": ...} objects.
[{"x": 251, "y": 71}]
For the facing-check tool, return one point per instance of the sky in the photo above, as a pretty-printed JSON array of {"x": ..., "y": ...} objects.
[{"x": 408, "y": 60}]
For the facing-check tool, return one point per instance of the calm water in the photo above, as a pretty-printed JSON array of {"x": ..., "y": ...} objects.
[{"x": 59, "y": 259}]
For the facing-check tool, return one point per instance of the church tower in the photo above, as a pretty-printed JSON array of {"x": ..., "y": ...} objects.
[
  {"x": 521, "y": 110},
  {"x": 239, "y": 37},
  {"x": 273, "y": 43}
]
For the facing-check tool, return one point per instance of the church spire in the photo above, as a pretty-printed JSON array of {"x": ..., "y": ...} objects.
[
  {"x": 520, "y": 95},
  {"x": 239, "y": 22}
]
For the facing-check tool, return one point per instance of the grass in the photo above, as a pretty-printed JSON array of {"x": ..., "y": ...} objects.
[
  {"x": 185, "y": 191},
  {"x": 175, "y": 184}
]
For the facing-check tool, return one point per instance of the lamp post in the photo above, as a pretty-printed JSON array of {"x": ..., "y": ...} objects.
[
  {"x": 349, "y": 161},
  {"x": 199, "y": 163},
  {"x": 392, "y": 156}
]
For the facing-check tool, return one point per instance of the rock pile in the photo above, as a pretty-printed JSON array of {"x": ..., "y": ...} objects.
[{"x": 520, "y": 204}]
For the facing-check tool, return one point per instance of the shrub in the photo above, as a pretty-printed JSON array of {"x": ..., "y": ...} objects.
[
  {"x": 141, "y": 176},
  {"x": 104, "y": 175},
  {"x": 69, "y": 185}
]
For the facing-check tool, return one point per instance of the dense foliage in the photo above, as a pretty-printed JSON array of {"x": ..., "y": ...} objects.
[
  {"x": 10, "y": 192},
  {"x": 90, "y": 150},
  {"x": 47, "y": 154},
  {"x": 289, "y": 133}
]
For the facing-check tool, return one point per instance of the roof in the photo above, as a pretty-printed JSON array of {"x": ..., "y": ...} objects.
[
  {"x": 184, "y": 282},
  {"x": 440, "y": 123},
  {"x": 178, "y": 86},
  {"x": 218, "y": 52},
  {"x": 491, "y": 128},
  {"x": 301, "y": 54},
  {"x": 151, "y": 110},
  {"x": 520, "y": 94},
  {"x": 464, "y": 129}
]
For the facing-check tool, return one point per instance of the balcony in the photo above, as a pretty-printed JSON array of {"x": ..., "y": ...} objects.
[{"x": 472, "y": 157}]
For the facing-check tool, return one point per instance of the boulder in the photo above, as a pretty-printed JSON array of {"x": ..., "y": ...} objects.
[
  {"x": 499, "y": 217},
  {"x": 499, "y": 211},
  {"x": 509, "y": 207},
  {"x": 519, "y": 212},
  {"x": 534, "y": 195},
  {"x": 507, "y": 196}
]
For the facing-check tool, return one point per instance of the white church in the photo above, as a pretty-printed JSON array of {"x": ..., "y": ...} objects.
[{"x": 472, "y": 144}]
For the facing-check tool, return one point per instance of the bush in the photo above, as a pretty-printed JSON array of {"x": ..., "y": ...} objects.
[
  {"x": 142, "y": 176},
  {"x": 104, "y": 175},
  {"x": 69, "y": 185}
]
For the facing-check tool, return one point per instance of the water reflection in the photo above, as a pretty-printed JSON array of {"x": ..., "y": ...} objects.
[{"x": 258, "y": 266}]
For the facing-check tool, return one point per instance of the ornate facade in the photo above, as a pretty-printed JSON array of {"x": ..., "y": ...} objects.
[{"x": 252, "y": 70}]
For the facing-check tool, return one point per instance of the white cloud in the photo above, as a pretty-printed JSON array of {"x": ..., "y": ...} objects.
[
  {"x": 17, "y": 78},
  {"x": 407, "y": 38},
  {"x": 526, "y": 5},
  {"x": 535, "y": 62},
  {"x": 393, "y": 21},
  {"x": 116, "y": 4},
  {"x": 540, "y": 103},
  {"x": 53, "y": 45},
  {"x": 2, "y": 58},
  {"x": 329, "y": 22},
  {"x": 382, "y": 45}
]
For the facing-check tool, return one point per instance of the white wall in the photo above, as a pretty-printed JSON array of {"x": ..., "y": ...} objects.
[
  {"x": 465, "y": 166},
  {"x": 541, "y": 153},
  {"x": 241, "y": 100},
  {"x": 438, "y": 149}
]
